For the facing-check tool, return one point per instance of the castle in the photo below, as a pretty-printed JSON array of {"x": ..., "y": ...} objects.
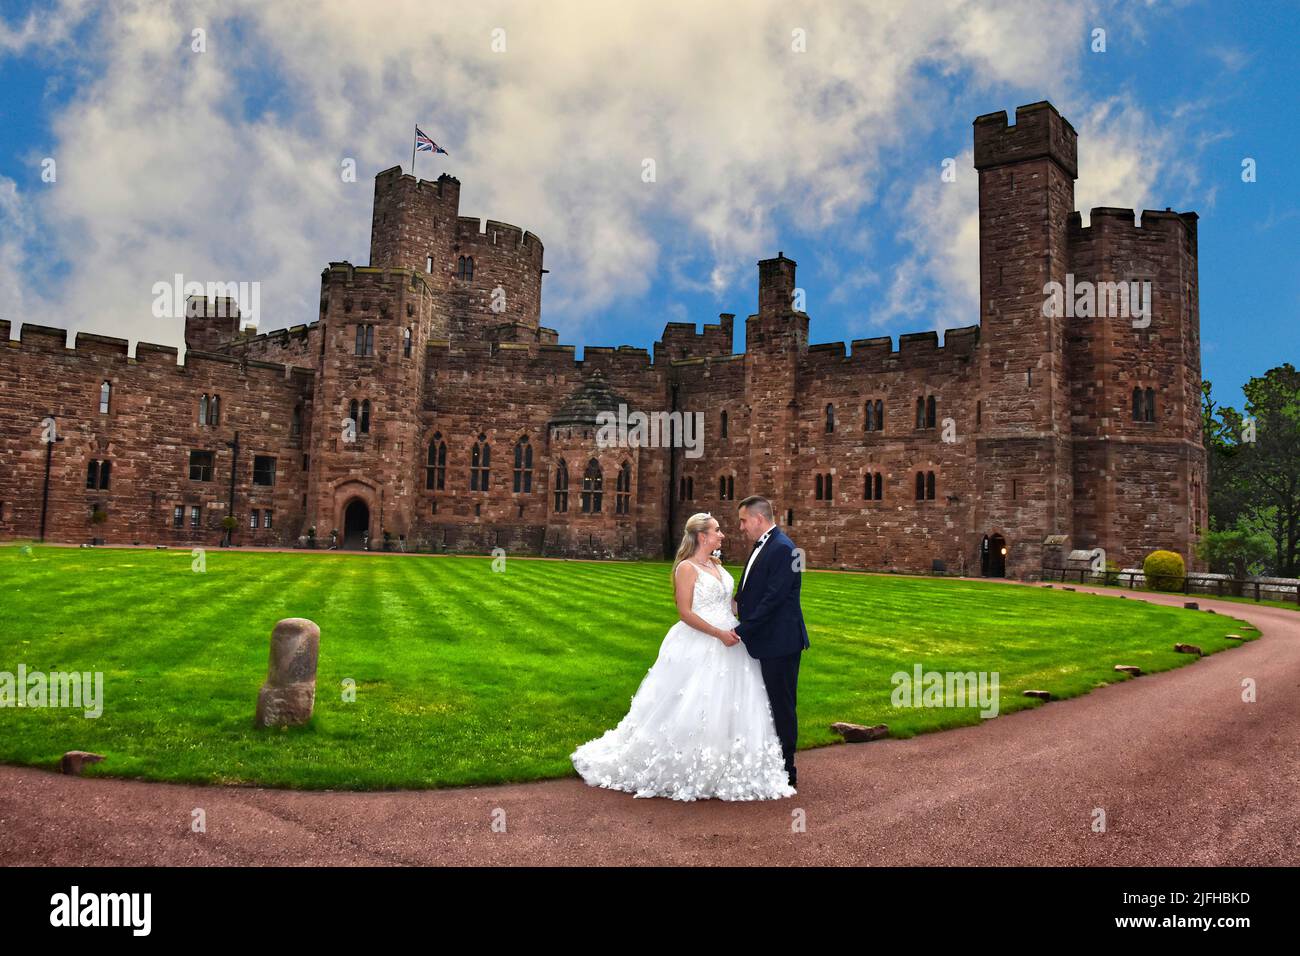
[{"x": 428, "y": 404}]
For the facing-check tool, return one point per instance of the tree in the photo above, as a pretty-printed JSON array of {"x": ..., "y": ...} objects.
[
  {"x": 1255, "y": 463},
  {"x": 1237, "y": 552},
  {"x": 1221, "y": 435}
]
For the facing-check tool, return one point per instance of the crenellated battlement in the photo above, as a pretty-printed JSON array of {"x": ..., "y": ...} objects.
[
  {"x": 1115, "y": 223},
  {"x": 367, "y": 287},
  {"x": 1039, "y": 132},
  {"x": 281, "y": 337},
  {"x": 91, "y": 344},
  {"x": 681, "y": 340},
  {"x": 446, "y": 188},
  {"x": 551, "y": 357},
  {"x": 492, "y": 233},
  {"x": 915, "y": 350},
  {"x": 44, "y": 339}
]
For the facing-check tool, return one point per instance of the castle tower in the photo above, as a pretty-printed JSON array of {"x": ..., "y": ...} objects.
[
  {"x": 1026, "y": 195},
  {"x": 1140, "y": 468},
  {"x": 775, "y": 338},
  {"x": 375, "y": 324},
  {"x": 487, "y": 277}
]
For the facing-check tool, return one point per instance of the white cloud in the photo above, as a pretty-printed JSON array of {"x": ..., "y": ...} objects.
[
  {"x": 1122, "y": 154},
  {"x": 224, "y": 165}
]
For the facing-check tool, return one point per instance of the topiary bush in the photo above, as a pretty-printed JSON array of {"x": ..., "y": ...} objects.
[{"x": 1164, "y": 571}]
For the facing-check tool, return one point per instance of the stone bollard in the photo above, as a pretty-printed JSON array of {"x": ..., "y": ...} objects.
[{"x": 287, "y": 697}]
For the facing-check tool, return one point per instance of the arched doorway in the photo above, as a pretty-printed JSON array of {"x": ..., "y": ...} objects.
[
  {"x": 993, "y": 556},
  {"x": 356, "y": 522}
]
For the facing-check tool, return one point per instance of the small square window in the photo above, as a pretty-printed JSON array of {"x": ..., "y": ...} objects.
[
  {"x": 263, "y": 470},
  {"x": 201, "y": 465}
]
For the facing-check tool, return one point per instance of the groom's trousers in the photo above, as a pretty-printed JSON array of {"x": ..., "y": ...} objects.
[{"x": 781, "y": 675}]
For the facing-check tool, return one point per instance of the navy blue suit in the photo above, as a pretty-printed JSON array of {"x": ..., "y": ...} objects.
[{"x": 772, "y": 628}]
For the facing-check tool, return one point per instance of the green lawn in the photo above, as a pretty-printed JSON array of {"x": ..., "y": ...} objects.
[{"x": 465, "y": 675}]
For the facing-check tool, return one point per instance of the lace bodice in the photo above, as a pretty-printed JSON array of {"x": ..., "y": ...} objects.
[{"x": 712, "y": 598}]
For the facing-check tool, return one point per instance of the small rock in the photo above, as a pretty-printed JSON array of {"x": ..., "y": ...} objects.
[
  {"x": 1210, "y": 610},
  {"x": 857, "y": 733},
  {"x": 74, "y": 760},
  {"x": 1187, "y": 649},
  {"x": 1130, "y": 669},
  {"x": 1048, "y": 585},
  {"x": 1041, "y": 694}
]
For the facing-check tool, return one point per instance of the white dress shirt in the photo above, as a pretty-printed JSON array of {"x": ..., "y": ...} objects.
[{"x": 754, "y": 554}]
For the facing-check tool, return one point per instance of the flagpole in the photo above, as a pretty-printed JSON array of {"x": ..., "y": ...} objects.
[{"x": 413, "y": 143}]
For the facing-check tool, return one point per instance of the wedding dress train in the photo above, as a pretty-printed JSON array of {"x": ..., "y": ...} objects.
[{"x": 700, "y": 724}]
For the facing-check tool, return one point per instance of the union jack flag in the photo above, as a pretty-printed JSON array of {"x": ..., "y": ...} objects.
[{"x": 425, "y": 145}]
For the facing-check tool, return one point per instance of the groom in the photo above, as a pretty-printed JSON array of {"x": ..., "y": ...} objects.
[{"x": 771, "y": 622}]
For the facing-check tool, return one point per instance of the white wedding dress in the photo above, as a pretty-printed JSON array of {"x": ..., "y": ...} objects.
[{"x": 700, "y": 724}]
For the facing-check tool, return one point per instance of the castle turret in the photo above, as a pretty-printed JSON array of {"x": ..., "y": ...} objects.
[
  {"x": 774, "y": 340},
  {"x": 488, "y": 277},
  {"x": 375, "y": 325},
  {"x": 1026, "y": 194}
]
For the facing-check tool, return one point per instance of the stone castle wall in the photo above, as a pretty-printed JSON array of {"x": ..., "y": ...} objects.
[{"x": 1031, "y": 433}]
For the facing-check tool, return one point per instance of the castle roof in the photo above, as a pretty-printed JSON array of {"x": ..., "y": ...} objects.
[{"x": 588, "y": 400}]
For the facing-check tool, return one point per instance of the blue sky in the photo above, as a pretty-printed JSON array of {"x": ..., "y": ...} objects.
[{"x": 224, "y": 163}]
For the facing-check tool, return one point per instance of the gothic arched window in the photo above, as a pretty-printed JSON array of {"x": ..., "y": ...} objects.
[
  {"x": 623, "y": 487},
  {"x": 479, "y": 463},
  {"x": 523, "y": 465},
  {"x": 105, "y": 393},
  {"x": 435, "y": 472},
  {"x": 592, "y": 479},
  {"x": 561, "y": 487},
  {"x": 364, "y": 426}
]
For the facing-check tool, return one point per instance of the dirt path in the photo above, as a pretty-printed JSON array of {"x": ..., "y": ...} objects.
[{"x": 1186, "y": 773}]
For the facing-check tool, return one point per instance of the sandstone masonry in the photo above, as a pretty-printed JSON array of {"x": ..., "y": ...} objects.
[{"x": 428, "y": 401}]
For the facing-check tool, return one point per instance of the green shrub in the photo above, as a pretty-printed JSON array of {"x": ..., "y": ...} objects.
[{"x": 1164, "y": 571}]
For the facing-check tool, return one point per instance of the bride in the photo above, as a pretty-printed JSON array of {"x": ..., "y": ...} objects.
[{"x": 700, "y": 724}]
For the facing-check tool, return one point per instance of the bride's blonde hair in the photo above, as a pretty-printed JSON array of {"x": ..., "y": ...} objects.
[{"x": 695, "y": 524}]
